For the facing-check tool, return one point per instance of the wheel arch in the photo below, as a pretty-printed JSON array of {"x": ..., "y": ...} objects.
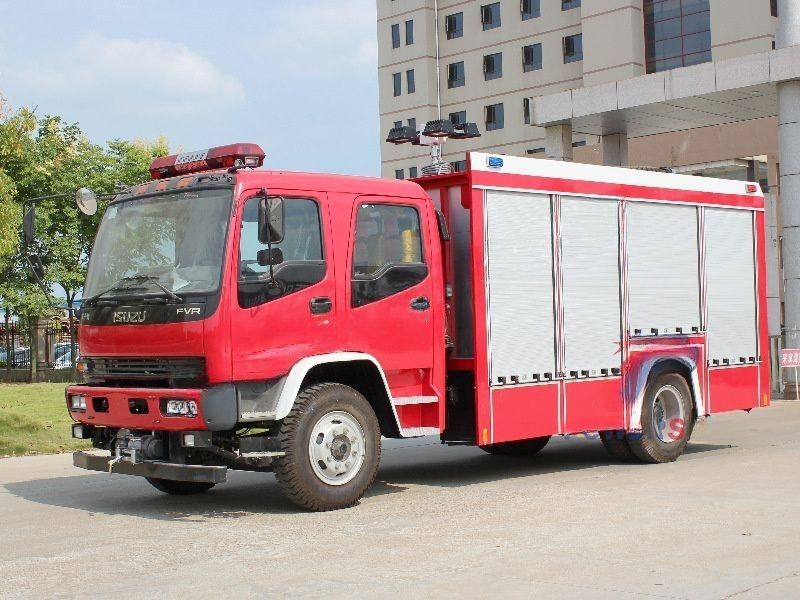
[
  {"x": 357, "y": 370},
  {"x": 681, "y": 365}
]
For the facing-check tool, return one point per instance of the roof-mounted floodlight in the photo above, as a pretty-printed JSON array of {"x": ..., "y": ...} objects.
[
  {"x": 465, "y": 131},
  {"x": 401, "y": 135},
  {"x": 438, "y": 128}
]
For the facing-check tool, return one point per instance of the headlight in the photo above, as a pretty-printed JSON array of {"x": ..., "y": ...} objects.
[
  {"x": 77, "y": 402},
  {"x": 185, "y": 408}
]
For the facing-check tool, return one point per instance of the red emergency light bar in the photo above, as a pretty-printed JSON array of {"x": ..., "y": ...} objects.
[{"x": 221, "y": 157}]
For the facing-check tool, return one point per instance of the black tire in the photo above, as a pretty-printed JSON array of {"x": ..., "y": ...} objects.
[
  {"x": 649, "y": 446},
  {"x": 520, "y": 448},
  {"x": 296, "y": 476},
  {"x": 617, "y": 446},
  {"x": 179, "y": 488}
]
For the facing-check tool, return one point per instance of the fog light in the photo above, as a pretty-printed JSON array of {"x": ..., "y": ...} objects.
[
  {"x": 188, "y": 440},
  {"x": 81, "y": 431},
  {"x": 184, "y": 408},
  {"x": 77, "y": 402}
]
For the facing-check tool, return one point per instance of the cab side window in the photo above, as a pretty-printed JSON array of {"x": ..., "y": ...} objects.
[
  {"x": 387, "y": 252},
  {"x": 301, "y": 262}
]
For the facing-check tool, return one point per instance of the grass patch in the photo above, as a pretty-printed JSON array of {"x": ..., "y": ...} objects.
[{"x": 34, "y": 420}]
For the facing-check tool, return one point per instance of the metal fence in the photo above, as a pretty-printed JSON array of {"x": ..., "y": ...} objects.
[{"x": 53, "y": 348}]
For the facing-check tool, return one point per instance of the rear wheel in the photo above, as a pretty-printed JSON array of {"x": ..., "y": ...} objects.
[
  {"x": 520, "y": 448},
  {"x": 667, "y": 420},
  {"x": 332, "y": 444},
  {"x": 179, "y": 488},
  {"x": 617, "y": 446}
]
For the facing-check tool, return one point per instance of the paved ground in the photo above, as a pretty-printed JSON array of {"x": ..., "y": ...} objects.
[{"x": 724, "y": 521}]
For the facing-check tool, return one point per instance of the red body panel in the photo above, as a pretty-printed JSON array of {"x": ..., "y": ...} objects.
[
  {"x": 733, "y": 388},
  {"x": 524, "y": 412}
]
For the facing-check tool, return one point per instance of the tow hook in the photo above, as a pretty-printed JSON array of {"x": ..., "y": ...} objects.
[{"x": 114, "y": 461}]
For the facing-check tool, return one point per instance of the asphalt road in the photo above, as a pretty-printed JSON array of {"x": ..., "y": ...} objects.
[{"x": 723, "y": 521}]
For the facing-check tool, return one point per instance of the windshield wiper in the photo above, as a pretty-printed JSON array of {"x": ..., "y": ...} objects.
[{"x": 138, "y": 277}]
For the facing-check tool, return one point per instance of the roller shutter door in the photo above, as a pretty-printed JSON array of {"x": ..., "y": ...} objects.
[{"x": 520, "y": 286}]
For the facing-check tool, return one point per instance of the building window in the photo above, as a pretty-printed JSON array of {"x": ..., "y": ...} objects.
[
  {"x": 412, "y": 172},
  {"x": 570, "y": 4},
  {"x": 395, "y": 36},
  {"x": 412, "y": 123},
  {"x": 396, "y": 82},
  {"x": 458, "y": 166},
  {"x": 676, "y": 34},
  {"x": 526, "y": 110},
  {"x": 454, "y": 25},
  {"x": 409, "y": 33},
  {"x": 532, "y": 57},
  {"x": 492, "y": 66},
  {"x": 458, "y": 117},
  {"x": 573, "y": 48},
  {"x": 410, "y": 82},
  {"x": 530, "y": 9},
  {"x": 490, "y": 15},
  {"x": 494, "y": 116},
  {"x": 455, "y": 74},
  {"x": 773, "y": 7},
  {"x": 398, "y": 174}
]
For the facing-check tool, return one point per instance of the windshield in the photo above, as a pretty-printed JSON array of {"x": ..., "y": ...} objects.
[{"x": 176, "y": 240}]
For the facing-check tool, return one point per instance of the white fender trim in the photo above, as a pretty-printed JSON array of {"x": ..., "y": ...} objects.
[
  {"x": 293, "y": 381},
  {"x": 636, "y": 409}
]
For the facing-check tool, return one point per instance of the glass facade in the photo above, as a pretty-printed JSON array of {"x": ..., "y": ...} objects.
[{"x": 677, "y": 33}]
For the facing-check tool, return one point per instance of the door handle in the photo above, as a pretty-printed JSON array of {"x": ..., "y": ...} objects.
[
  {"x": 321, "y": 305},
  {"x": 421, "y": 303}
]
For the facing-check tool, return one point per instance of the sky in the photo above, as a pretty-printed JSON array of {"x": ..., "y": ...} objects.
[{"x": 298, "y": 77}]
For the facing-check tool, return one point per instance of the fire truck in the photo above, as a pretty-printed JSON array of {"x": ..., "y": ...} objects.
[{"x": 240, "y": 318}]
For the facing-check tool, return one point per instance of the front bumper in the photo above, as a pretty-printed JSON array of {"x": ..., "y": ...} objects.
[
  {"x": 143, "y": 408},
  {"x": 152, "y": 468}
]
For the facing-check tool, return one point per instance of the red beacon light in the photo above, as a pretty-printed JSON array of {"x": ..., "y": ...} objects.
[{"x": 221, "y": 157}]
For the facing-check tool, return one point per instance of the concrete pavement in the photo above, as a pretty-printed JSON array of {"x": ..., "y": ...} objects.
[{"x": 722, "y": 522}]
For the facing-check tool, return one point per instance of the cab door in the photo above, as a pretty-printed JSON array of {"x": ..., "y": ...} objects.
[
  {"x": 281, "y": 317},
  {"x": 391, "y": 308}
]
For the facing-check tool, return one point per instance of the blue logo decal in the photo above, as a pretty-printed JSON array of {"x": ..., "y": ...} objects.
[{"x": 494, "y": 162}]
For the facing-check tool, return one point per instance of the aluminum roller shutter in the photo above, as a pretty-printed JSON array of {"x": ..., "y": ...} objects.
[
  {"x": 663, "y": 268},
  {"x": 520, "y": 286},
  {"x": 730, "y": 277},
  {"x": 591, "y": 290}
]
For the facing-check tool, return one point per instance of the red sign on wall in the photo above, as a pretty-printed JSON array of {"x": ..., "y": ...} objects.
[{"x": 790, "y": 357}]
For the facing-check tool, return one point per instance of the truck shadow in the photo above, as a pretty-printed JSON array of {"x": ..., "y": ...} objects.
[{"x": 246, "y": 494}]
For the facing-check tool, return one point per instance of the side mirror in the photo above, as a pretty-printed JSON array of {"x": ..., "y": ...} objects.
[
  {"x": 270, "y": 220},
  {"x": 36, "y": 266},
  {"x": 86, "y": 201},
  {"x": 269, "y": 257},
  {"x": 29, "y": 226}
]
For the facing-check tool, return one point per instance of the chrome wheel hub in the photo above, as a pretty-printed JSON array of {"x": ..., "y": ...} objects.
[
  {"x": 337, "y": 448},
  {"x": 668, "y": 414}
]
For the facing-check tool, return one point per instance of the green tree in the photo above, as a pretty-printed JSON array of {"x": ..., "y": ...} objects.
[{"x": 50, "y": 157}]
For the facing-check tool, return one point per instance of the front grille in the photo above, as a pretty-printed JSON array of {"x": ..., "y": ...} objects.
[{"x": 146, "y": 372}]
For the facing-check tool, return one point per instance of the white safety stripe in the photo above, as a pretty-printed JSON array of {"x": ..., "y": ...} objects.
[{"x": 515, "y": 165}]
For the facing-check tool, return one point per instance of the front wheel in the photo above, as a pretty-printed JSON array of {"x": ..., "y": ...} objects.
[
  {"x": 520, "y": 448},
  {"x": 667, "y": 420},
  {"x": 332, "y": 445}
]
